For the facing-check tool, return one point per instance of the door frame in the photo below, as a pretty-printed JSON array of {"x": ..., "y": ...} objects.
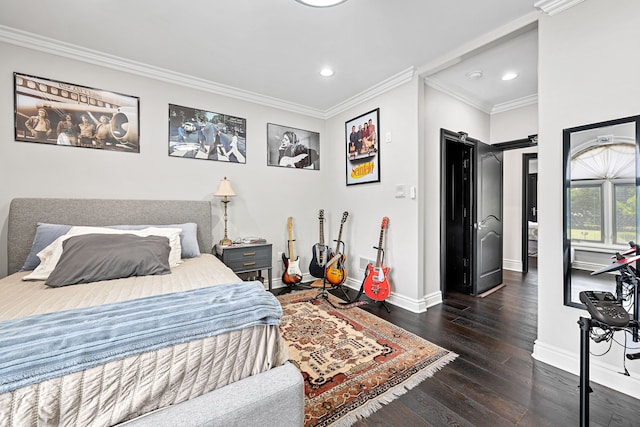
[{"x": 525, "y": 209}]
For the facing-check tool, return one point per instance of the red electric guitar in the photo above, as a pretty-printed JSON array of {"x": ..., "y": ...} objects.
[
  {"x": 376, "y": 283},
  {"x": 292, "y": 273}
]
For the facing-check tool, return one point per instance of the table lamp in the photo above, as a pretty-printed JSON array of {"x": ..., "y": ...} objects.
[{"x": 225, "y": 191}]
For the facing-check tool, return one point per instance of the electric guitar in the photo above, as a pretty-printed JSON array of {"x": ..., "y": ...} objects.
[
  {"x": 336, "y": 272},
  {"x": 376, "y": 283},
  {"x": 321, "y": 252},
  {"x": 292, "y": 273}
]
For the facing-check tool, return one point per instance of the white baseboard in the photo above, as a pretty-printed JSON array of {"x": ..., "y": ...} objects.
[
  {"x": 512, "y": 264},
  {"x": 599, "y": 372}
]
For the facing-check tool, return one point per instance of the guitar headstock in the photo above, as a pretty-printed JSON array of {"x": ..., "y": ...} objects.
[
  {"x": 345, "y": 214},
  {"x": 385, "y": 221},
  {"x": 321, "y": 214}
]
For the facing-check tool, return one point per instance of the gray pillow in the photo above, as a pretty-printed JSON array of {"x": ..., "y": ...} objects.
[
  {"x": 93, "y": 257},
  {"x": 188, "y": 236},
  {"x": 47, "y": 233}
]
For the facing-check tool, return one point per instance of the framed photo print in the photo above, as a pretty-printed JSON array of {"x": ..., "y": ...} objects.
[
  {"x": 363, "y": 148},
  {"x": 291, "y": 147},
  {"x": 58, "y": 113},
  {"x": 201, "y": 134}
]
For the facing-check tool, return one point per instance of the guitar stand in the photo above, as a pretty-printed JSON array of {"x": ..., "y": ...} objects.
[{"x": 324, "y": 292}]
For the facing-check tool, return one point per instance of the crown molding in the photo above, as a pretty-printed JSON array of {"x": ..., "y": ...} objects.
[
  {"x": 553, "y": 7},
  {"x": 483, "y": 106},
  {"x": 392, "y": 82},
  {"x": 516, "y": 103},
  {"x": 479, "y": 105},
  {"x": 67, "y": 50}
]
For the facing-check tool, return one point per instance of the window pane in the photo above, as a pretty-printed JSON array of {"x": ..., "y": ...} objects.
[
  {"x": 586, "y": 213},
  {"x": 625, "y": 208}
]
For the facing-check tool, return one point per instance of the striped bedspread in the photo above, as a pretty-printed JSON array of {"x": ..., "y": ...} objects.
[{"x": 40, "y": 347}]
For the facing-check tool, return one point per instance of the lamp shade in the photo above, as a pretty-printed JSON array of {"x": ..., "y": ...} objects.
[{"x": 224, "y": 189}]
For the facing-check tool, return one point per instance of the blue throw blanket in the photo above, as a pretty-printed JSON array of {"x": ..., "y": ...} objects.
[{"x": 41, "y": 347}]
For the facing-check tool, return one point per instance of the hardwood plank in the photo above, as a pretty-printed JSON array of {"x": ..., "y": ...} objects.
[{"x": 494, "y": 381}]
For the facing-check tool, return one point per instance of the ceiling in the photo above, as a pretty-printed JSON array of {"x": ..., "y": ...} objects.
[{"x": 273, "y": 50}]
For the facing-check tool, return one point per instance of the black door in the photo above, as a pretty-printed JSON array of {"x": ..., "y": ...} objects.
[
  {"x": 488, "y": 218},
  {"x": 458, "y": 217}
]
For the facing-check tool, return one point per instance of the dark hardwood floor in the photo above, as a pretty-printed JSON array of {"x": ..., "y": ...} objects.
[{"x": 494, "y": 381}]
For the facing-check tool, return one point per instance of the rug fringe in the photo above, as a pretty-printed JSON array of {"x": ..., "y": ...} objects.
[{"x": 389, "y": 396}]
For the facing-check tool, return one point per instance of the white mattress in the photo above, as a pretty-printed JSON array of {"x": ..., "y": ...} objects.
[
  {"x": 123, "y": 389},
  {"x": 207, "y": 270}
]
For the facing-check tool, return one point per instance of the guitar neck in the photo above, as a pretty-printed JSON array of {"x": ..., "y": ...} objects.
[
  {"x": 339, "y": 239},
  {"x": 379, "y": 256},
  {"x": 344, "y": 219},
  {"x": 383, "y": 225},
  {"x": 290, "y": 227}
]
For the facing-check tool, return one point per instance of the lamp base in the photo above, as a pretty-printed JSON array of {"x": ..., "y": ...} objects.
[{"x": 225, "y": 242}]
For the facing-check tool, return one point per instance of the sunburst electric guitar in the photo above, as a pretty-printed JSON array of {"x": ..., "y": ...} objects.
[
  {"x": 292, "y": 273},
  {"x": 321, "y": 252},
  {"x": 336, "y": 272},
  {"x": 376, "y": 282}
]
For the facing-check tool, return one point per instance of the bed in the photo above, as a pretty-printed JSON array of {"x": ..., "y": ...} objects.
[
  {"x": 184, "y": 342},
  {"x": 532, "y": 236}
]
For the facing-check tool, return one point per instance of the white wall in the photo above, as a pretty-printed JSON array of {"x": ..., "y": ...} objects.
[
  {"x": 509, "y": 126},
  {"x": 369, "y": 203},
  {"x": 588, "y": 72},
  {"x": 266, "y": 195}
]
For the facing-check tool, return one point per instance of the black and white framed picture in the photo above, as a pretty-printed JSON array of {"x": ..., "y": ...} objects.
[
  {"x": 201, "y": 134},
  {"x": 59, "y": 113},
  {"x": 291, "y": 147},
  {"x": 363, "y": 148}
]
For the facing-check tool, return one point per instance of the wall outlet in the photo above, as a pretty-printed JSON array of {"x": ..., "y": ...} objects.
[{"x": 364, "y": 262}]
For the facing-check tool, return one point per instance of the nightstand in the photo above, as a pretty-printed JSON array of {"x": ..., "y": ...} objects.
[{"x": 246, "y": 258}]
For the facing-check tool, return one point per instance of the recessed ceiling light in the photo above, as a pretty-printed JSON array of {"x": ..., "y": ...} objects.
[
  {"x": 509, "y": 76},
  {"x": 474, "y": 75},
  {"x": 326, "y": 72},
  {"x": 321, "y": 3}
]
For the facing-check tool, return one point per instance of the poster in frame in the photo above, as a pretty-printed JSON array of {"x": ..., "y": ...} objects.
[
  {"x": 205, "y": 135},
  {"x": 58, "y": 113},
  {"x": 291, "y": 147},
  {"x": 363, "y": 148}
]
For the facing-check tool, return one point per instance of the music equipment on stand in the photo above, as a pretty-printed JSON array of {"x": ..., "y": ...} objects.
[
  {"x": 292, "y": 273},
  {"x": 626, "y": 282},
  {"x": 605, "y": 308},
  {"x": 321, "y": 252},
  {"x": 608, "y": 314},
  {"x": 336, "y": 272}
]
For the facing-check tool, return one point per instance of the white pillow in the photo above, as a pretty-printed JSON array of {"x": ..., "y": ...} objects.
[{"x": 50, "y": 255}]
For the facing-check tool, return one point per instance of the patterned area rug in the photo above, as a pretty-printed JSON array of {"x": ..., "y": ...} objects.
[{"x": 351, "y": 360}]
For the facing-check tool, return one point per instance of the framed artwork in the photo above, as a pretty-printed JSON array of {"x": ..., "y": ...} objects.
[
  {"x": 363, "y": 148},
  {"x": 205, "y": 135},
  {"x": 58, "y": 113},
  {"x": 291, "y": 147}
]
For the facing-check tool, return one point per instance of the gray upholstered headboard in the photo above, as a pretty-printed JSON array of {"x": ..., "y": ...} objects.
[{"x": 25, "y": 213}]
